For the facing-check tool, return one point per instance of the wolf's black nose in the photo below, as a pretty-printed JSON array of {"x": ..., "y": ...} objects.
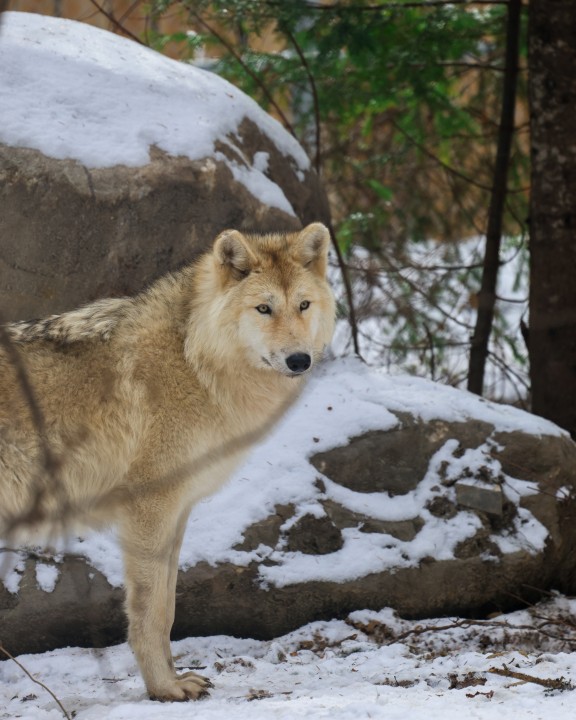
[{"x": 299, "y": 362}]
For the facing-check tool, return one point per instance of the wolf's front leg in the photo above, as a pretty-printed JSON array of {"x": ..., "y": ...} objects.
[{"x": 151, "y": 533}]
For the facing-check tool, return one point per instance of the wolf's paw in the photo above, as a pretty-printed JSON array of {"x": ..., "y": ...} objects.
[{"x": 188, "y": 686}]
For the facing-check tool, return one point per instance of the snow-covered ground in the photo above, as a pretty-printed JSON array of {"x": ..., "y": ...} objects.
[
  {"x": 374, "y": 665},
  {"x": 371, "y": 666}
]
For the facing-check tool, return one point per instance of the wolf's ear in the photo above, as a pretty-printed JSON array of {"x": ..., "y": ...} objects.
[
  {"x": 233, "y": 254},
  {"x": 312, "y": 244}
]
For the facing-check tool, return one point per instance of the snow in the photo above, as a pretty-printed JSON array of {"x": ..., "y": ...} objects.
[
  {"x": 372, "y": 665},
  {"x": 344, "y": 399},
  {"x": 417, "y": 312},
  {"x": 46, "y": 576},
  {"x": 104, "y": 100},
  {"x": 12, "y": 565},
  {"x": 391, "y": 668}
]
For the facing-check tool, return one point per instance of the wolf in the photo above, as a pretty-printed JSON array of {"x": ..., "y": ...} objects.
[{"x": 128, "y": 411}]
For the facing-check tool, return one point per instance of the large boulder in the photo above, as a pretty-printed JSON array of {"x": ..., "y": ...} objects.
[
  {"x": 374, "y": 492},
  {"x": 118, "y": 164}
]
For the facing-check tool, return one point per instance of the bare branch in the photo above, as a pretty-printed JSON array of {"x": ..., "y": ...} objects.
[
  {"x": 258, "y": 80},
  {"x": 439, "y": 162},
  {"x": 398, "y": 5},
  {"x": 349, "y": 294},
  {"x": 313, "y": 88},
  {"x": 116, "y": 23},
  {"x": 35, "y": 680},
  {"x": 50, "y": 461},
  {"x": 550, "y": 683}
]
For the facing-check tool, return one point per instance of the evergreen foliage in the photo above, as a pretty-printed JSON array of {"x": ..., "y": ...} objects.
[{"x": 398, "y": 104}]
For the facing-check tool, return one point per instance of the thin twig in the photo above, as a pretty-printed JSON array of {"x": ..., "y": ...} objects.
[
  {"x": 126, "y": 14},
  {"x": 550, "y": 683},
  {"x": 51, "y": 462},
  {"x": 258, "y": 80},
  {"x": 118, "y": 25},
  {"x": 315, "y": 100},
  {"x": 417, "y": 289},
  {"x": 430, "y": 338},
  {"x": 35, "y": 680},
  {"x": 438, "y": 161},
  {"x": 508, "y": 370},
  {"x": 466, "y": 624},
  {"x": 398, "y": 5},
  {"x": 399, "y": 269},
  {"x": 349, "y": 294}
]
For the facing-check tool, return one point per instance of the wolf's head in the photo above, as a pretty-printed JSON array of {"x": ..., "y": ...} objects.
[{"x": 270, "y": 305}]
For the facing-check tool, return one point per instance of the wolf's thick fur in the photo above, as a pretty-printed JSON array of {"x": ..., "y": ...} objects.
[{"x": 149, "y": 403}]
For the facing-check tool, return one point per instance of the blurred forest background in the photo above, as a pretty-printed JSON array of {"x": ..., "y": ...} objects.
[{"x": 441, "y": 131}]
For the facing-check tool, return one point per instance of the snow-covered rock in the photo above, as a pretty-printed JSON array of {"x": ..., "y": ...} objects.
[
  {"x": 374, "y": 491},
  {"x": 118, "y": 164}
]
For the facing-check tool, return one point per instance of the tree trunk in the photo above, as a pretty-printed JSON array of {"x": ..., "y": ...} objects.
[
  {"x": 552, "y": 88},
  {"x": 491, "y": 265}
]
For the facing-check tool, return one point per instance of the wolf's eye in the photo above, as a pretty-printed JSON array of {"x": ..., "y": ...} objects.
[
  {"x": 264, "y": 309},
  {"x": 304, "y": 305}
]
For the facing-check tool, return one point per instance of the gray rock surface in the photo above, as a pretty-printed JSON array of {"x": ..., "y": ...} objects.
[
  {"x": 70, "y": 234},
  {"x": 480, "y": 578}
]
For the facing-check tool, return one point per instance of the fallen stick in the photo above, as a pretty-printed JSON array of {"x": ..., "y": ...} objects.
[
  {"x": 11, "y": 657},
  {"x": 549, "y": 683}
]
